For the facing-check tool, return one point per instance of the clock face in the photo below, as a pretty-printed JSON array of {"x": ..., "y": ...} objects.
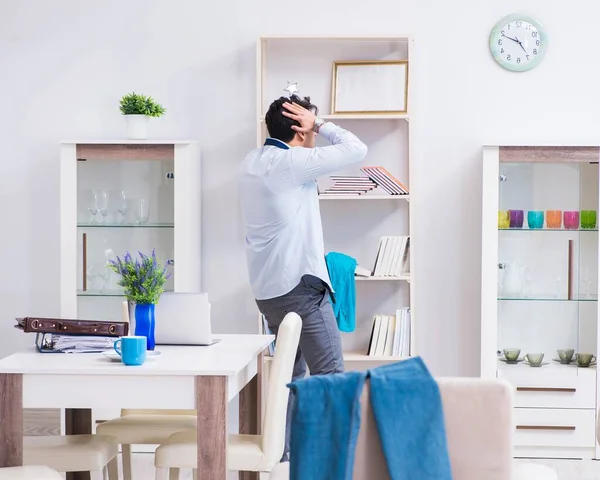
[{"x": 518, "y": 43}]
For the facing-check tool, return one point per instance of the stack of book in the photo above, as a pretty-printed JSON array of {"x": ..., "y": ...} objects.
[
  {"x": 392, "y": 257},
  {"x": 390, "y": 335},
  {"x": 340, "y": 185},
  {"x": 385, "y": 180}
]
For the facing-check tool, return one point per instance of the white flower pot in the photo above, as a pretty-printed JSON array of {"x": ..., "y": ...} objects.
[{"x": 137, "y": 126}]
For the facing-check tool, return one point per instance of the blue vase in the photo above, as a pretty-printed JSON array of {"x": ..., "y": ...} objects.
[{"x": 144, "y": 323}]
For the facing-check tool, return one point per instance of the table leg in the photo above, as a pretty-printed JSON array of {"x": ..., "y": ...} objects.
[
  {"x": 78, "y": 421},
  {"x": 11, "y": 416},
  {"x": 250, "y": 400},
  {"x": 211, "y": 405}
]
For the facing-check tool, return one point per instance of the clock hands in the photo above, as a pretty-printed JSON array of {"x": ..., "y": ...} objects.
[{"x": 516, "y": 40}]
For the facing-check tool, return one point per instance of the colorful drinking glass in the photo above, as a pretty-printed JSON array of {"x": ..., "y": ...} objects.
[
  {"x": 535, "y": 219},
  {"x": 503, "y": 219},
  {"x": 516, "y": 218},
  {"x": 588, "y": 219},
  {"x": 553, "y": 218},
  {"x": 571, "y": 219}
]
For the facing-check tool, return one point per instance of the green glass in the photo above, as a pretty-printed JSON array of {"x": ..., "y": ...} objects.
[{"x": 588, "y": 219}]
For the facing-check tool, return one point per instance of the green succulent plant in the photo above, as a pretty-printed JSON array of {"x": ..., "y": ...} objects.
[{"x": 137, "y": 104}]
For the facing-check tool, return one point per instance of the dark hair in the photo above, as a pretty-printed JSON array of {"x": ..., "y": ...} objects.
[{"x": 280, "y": 126}]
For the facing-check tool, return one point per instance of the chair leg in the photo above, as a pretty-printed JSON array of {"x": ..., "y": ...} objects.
[
  {"x": 173, "y": 474},
  {"x": 113, "y": 469},
  {"x": 161, "y": 473},
  {"x": 126, "y": 458}
]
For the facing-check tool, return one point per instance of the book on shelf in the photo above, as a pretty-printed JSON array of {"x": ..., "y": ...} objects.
[
  {"x": 392, "y": 257},
  {"x": 385, "y": 180},
  {"x": 375, "y": 181},
  {"x": 390, "y": 335}
]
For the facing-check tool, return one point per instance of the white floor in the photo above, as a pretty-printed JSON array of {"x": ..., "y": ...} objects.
[
  {"x": 143, "y": 469},
  {"x": 572, "y": 469}
]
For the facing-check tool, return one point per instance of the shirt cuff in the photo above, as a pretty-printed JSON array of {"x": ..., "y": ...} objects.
[{"x": 327, "y": 129}]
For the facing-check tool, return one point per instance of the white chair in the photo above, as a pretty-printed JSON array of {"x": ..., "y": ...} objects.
[
  {"x": 246, "y": 453},
  {"x": 479, "y": 429},
  {"x": 72, "y": 453},
  {"x": 29, "y": 473},
  {"x": 145, "y": 427}
]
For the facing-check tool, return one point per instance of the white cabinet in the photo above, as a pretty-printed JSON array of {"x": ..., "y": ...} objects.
[
  {"x": 126, "y": 196},
  {"x": 540, "y": 291}
]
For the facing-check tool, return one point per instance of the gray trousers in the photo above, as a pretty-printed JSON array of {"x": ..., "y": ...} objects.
[{"x": 320, "y": 344}]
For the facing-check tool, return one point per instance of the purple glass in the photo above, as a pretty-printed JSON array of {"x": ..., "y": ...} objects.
[
  {"x": 571, "y": 219},
  {"x": 516, "y": 218}
]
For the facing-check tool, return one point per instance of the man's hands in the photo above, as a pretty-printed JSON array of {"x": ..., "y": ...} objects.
[{"x": 304, "y": 117}]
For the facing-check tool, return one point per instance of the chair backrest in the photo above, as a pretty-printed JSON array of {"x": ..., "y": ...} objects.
[
  {"x": 479, "y": 431},
  {"x": 273, "y": 432}
]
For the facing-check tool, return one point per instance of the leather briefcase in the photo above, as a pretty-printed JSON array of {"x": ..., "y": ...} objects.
[{"x": 73, "y": 327}]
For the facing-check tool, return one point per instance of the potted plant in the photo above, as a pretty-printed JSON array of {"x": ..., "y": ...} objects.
[
  {"x": 138, "y": 109},
  {"x": 143, "y": 280}
]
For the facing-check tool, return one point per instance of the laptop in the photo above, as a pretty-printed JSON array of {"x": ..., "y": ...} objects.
[{"x": 183, "y": 319}]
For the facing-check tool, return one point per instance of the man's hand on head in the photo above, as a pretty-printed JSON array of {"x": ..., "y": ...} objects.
[{"x": 304, "y": 117}]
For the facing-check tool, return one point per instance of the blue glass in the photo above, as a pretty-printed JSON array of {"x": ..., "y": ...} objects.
[
  {"x": 144, "y": 323},
  {"x": 535, "y": 218},
  {"x": 132, "y": 350}
]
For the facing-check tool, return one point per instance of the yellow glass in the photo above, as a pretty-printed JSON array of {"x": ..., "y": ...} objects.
[{"x": 503, "y": 219}]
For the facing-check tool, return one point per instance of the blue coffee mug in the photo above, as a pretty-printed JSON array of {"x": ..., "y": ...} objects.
[{"x": 131, "y": 349}]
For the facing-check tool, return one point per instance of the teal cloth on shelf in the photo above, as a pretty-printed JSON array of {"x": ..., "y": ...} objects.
[{"x": 341, "y": 273}]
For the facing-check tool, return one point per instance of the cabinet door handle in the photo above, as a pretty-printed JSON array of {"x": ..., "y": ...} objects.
[
  {"x": 546, "y": 389},
  {"x": 546, "y": 427}
]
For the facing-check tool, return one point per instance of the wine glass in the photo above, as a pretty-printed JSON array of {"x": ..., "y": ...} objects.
[
  {"x": 93, "y": 205},
  {"x": 102, "y": 202},
  {"x": 142, "y": 212},
  {"x": 123, "y": 207},
  {"x": 587, "y": 280}
]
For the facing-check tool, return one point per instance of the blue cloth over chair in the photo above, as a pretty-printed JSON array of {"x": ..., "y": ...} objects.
[{"x": 408, "y": 411}]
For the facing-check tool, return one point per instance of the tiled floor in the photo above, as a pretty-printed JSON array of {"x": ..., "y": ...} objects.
[{"x": 143, "y": 469}]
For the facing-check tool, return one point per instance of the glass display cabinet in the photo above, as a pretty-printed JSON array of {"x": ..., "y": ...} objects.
[
  {"x": 540, "y": 292},
  {"x": 126, "y": 196}
]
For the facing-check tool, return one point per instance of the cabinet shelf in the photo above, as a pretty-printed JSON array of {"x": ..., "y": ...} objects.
[
  {"x": 547, "y": 299},
  {"x": 125, "y": 225},
  {"x": 556, "y": 230},
  {"x": 103, "y": 293},
  {"x": 365, "y": 197},
  {"x": 404, "y": 278}
]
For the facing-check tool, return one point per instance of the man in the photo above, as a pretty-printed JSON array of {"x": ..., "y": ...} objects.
[{"x": 284, "y": 236}]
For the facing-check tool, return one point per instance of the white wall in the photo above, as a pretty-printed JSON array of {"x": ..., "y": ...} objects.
[{"x": 64, "y": 64}]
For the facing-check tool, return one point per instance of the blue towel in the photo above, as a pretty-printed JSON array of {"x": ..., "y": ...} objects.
[
  {"x": 325, "y": 424},
  {"x": 408, "y": 411},
  {"x": 407, "y": 407},
  {"x": 341, "y": 272}
]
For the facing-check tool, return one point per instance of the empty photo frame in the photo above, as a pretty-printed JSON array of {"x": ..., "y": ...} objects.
[{"x": 370, "y": 87}]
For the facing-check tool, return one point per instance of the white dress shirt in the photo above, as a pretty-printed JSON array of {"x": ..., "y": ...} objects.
[{"x": 280, "y": 206}]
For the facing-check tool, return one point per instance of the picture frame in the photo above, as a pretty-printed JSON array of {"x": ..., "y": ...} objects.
[{"x": 369, "y": 87}]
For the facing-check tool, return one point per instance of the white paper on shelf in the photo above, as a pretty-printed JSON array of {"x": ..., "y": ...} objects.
[{"x": 81, "y": 344}]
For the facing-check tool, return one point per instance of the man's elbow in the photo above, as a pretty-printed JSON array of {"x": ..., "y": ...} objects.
[{"x": 361, "y": 152}]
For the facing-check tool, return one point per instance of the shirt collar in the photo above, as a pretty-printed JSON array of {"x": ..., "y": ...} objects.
[{"x": 273, "y": 142}]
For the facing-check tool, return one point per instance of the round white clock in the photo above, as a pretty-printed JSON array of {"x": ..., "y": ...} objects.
[{"x": 518, "y": 42}]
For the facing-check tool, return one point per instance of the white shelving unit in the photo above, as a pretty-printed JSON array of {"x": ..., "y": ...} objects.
[
  {"x": 162, "y": 185},
  {"x": 540, "y": 293},
  {"x": 352, "y": 224}
]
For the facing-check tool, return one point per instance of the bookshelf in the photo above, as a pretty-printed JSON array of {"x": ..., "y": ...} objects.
[{"x": 352, "y": 224}]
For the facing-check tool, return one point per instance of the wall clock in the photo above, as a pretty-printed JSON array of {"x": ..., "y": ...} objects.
[{"x": 518, "y": 42}]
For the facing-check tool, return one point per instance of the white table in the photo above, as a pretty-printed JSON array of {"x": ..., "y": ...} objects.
[{"x": 201, "y": 378}]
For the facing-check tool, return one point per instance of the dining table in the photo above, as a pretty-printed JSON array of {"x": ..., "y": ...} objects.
[{"x": 204, "y": 378}]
